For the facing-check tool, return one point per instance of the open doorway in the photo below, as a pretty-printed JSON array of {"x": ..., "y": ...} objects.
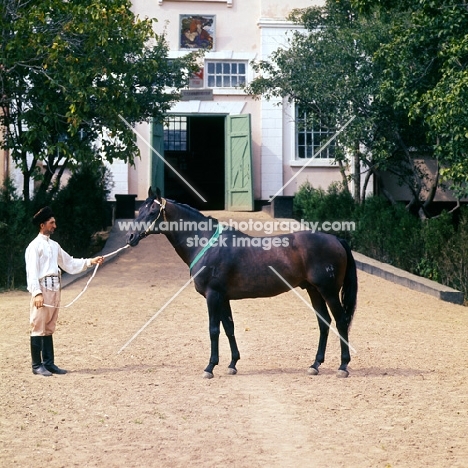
[{"x": 195, "y": 147}]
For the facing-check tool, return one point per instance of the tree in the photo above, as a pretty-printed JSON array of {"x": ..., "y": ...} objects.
[
  {"x": 331, "y": 70},
  {"x": 426, "y": 78},
  {"x": 68, "y": 72}
]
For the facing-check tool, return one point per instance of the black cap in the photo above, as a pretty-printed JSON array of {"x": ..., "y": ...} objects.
[{"x": 43, "y": 215}]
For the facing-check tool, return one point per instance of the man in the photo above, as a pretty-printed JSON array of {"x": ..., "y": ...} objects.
[{"x": 43, "y": 259}]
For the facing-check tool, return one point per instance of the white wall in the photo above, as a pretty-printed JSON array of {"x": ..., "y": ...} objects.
[{"x": 248, "y": 30}]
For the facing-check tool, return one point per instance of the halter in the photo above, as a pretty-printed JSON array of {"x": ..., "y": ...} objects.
[{"x": 162, "y": 209}]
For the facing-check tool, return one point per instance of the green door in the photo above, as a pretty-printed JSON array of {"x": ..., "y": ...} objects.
[
  {"x": 239, "y": 184},
  {"x": 157, "y": 155}
]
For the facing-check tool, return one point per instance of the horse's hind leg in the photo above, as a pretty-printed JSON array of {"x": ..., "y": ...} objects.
[
  {"x": 342, "y": 327},
  {"x": 324, "y": 321},
  {"x": 228, "y": 325}
]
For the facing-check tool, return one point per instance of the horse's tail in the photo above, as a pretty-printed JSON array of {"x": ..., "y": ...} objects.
[{"x": 350, "y": 285}]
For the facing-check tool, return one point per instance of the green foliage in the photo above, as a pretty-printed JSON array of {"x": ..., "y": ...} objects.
[
  {"x": 445, "y": 258},
  {"x": 81, "y": 209},
  {"x": 16, "y": 231},
  {"x": 334, "y": 204},
  {"x": 69, "y": 71},
  {"x": 388, "y": 233},
  {"x": 367, "y": 6},
  {"x": 435, "y": 248},
  {"x": 399, "y": 67},
  {"x": 329, "y": 70},
  {"x": 425, "y": 77},
  {"x": 453, "y": 258},
  {"x": 436, "y": 233}
]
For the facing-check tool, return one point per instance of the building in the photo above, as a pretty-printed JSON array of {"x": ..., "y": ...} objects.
[
  {"x": 219, "y": 148},
  {"x": 233, "y": 151}
]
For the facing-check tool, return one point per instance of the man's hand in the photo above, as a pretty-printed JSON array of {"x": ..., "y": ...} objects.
[
  {"x": 97, "y": 261},
  {"x": 38, "y": 301}
]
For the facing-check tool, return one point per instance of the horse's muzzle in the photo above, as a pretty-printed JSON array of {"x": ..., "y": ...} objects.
[{"x": 133, "y": 238}]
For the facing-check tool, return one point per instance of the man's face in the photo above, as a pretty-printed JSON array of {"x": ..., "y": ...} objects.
[{"x": 48, "y": 227}]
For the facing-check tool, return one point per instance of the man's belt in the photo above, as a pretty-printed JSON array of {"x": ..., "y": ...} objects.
[{"x": 53, "y": 279}]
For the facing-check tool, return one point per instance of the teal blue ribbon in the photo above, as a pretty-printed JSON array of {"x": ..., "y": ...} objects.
[{"x": 213, "y": 239}]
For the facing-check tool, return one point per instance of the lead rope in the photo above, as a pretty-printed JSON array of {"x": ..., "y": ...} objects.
[
  {"x": 161, "y": 210},
  {"x": 90, "y": 279}
]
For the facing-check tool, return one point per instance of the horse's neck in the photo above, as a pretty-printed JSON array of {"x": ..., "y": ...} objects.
[
  {"x": 189, "y": 223},
  {"x": 183, "y": 214}
]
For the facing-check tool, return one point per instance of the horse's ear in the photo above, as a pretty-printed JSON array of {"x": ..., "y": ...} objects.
[{"x": 154, "y": 196}]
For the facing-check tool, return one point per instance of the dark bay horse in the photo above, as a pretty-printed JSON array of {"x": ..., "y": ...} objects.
[{"x": 227, "y": 264}]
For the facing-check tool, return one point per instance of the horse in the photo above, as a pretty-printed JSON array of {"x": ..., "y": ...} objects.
[{"x": 227, "y": 264}]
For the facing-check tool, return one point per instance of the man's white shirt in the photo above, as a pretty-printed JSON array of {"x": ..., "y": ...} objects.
[{"x": 44, "y": 256}]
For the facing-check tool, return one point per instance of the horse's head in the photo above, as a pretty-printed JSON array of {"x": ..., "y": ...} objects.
[{"x": 148, "y": 215}]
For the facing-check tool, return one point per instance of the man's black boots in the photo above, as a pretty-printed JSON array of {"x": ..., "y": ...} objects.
[
  {"x": 36, "y": 348},
  {"x": 48, "y": 356}
]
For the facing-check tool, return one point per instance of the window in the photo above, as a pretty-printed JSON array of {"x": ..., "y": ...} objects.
[
  {"x": 225, "y": 74},
  {"x": 310, "y": 136},
  {"x": 175, "y": 133}
]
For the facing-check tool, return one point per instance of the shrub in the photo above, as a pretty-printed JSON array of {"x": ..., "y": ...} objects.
[
  {"x": 81, "y": 208},
  {"x": 388, "y": 233},
  {"x": 435, "y": 248},
  {"x": 451, "y": 260},
  {"x": 436, "y": 233},
  {"x": 335, "y": 204},
  {"x": 16, "y": 231}
]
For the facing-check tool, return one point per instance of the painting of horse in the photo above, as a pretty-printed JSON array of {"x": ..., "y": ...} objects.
[{"x": 227, "y": 264}]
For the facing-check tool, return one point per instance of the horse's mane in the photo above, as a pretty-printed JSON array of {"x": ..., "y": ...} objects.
[{"x": 191, "y": 209}]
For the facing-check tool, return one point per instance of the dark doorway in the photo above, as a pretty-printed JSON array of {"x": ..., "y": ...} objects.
[{"x": 194, "y": 146}]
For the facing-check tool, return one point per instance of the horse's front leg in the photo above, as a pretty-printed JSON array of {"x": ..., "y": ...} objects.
[
  {"x": 213, "y": 301},
  {"x": 228, "y": 325}
]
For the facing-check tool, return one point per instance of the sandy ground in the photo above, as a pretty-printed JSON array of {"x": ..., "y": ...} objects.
[{"x": 405, "y": 403}]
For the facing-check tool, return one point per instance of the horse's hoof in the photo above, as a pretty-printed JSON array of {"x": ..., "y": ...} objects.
[
  {"x": 232, "y": 371},
  {"x": 207, "y": 375},
  {"x": 342, "y": 374},
  {"x": 312, "y": 371}
]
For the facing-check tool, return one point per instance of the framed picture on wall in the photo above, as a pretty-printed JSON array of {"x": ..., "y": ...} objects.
[{"x": 197, "y": 32}]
